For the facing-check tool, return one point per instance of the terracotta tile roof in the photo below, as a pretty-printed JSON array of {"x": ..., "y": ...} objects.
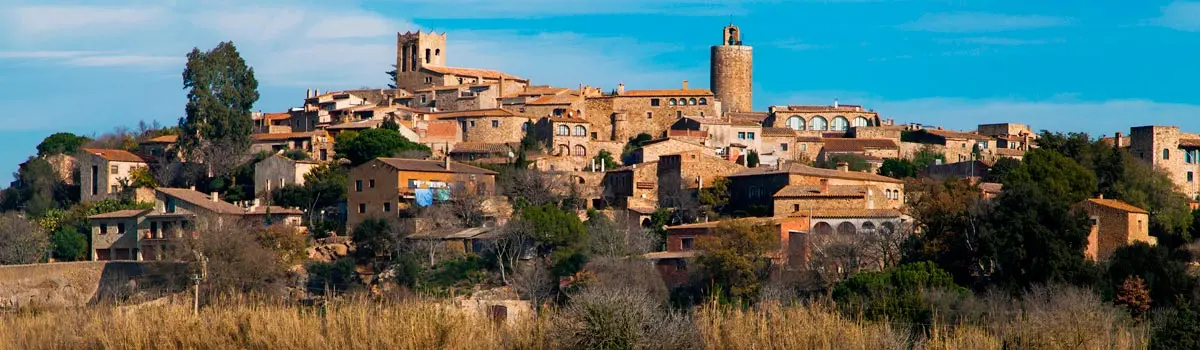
[
  {"x": 769, "y": 131},
  {"x": 1118, "y": 205},
  {"x": 163, "y": 139},
  {"x": 666, "y": 93},
  {"x": 809, "y": 139},
  {"x": 477, "y": 113},
  {"x": 800, "y": 169},
  {"x": 814, "y": 108},
  {"x": 709, "y": 120},
  {"x": 635, "y": 166},
  {"x": 714, "y": 224},
  {"x": 809, "y": 191},
  {"x": 991, "y": 187},
  {"x": 274, "y": 209},
  {"x": 745, "y": 122},
  {"x": 480, "y": 147},
  {"x": 117, "y": 155},
  {"x": 355, "y": 125},
  {"x": 687, "y": 133},
  {"x": 956, "y": 134},
  {"x": 201, "y": 200},
  {"x": 473, "y": 72},
  {"x": 432, "y": 166},
  {"x": 848, "y": 213},
  {"x": 276, "y": 116},
  {"x": 1189, "y": 142},
  {"x": 378, "y": 96},
  {"x": 665, "y": 139},
  {"x": 539, "y": 90},
  {"x": 858, "y": 145},
  {"x": 285, "y": 136},
  {"x": 670, "y": 255},
  {"x": 834, "y": 134},
  {"x": 1009, "y": 152},
  {"x": 120, "y": 214},
  {"x": 564, "y": 99},
  {"x": 757, "y": 116}
]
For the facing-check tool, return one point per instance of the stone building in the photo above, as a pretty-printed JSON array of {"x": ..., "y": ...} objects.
[
  {"x": 684, "y": 172},
  {"x": 1177, "y": 153},
  {"x": 317, "y": 144},
  {"x": 777, "y": 144},
  {"x": 488, "y": 125},
  {"x": 873, "y": 150},
  {"x": 684, "y": 238},
  {"x": 488, "y": 153},
  {"x": 625, "y": 114},
  {"x": 651, "y": 150},
  {"x": 385, "y": 187},
  {"x": 732, "y": 71},
  {"x": 421, "y": 63},
  {"x": 804, "y": 197},
  {"x": 633, "y": 186},
  {"x": 276, "y": 171},
  {"x": 754, "y": 190},
  {"x": 723, "y": 132},
  {"x": 566, "y": 135},
  {"x": 1114, "y": 224},
  {"x": 104, "y": 172},
  {"x": 1010, "y": 136},
  {"x": 818, "y": 119},
  {"x": 955, "y": 145},
  {"x": 161, "y": 148},
  {"x": 270, "y": 123}
]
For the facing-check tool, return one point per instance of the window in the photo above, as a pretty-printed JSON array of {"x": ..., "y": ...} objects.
[
  {"x": 686, "y": 243},
  {"x": 460, "y": 81},
  {"x": 649, "y": 115},
  {"x": 103, "y": 228},
  {"x": 671, "y": 102},
  {"x": 357, "y": 185},
  {"x": 580, "y": 130},
  {"x": 423, "y": 97},
  {"x": 428, "y": 80},
  {"x": 1166, "y": 154},
  {"x": 154, "y": 229},
  {"x": 412, "y": 183},
  {"x": 427, "y": 56},
  {"x": 525, "y": 126},
  {"x": 371, "y": 183},
  {"x": 113, "y": 169},
  {"x": 1189, "y": 176},
  {"x": 387, "y": 207},
  {"x": 563, "y": 130},
  {"x": 840, "y": 123},
  {"x": 120, "y": 227},
  {"x": 860, "y": 121},
  {"x": 170, "y": 205},
  {"x": 495, "y": 123},
  {"x": 783, "y": 147},
  {"x": 580, "y": 150},
  {"x": 804, "y": 147},
  {"x": 750, "y": 135},
  {"x": 692, "y": 101},
  {"x": 678, "y": 114},
  {"x": 819, "y": 123},
  {"x": 472, "y": 123},
  {"x": 703, "y": 101},
  {"x": 1189, "y": 156},
  {"x": 795, "y": 123},
  {"x": 795, "y": 207},
  {"x": 115, "y": 189},
  {"x": 741, "y": 136},
  {"x": 755, "y": 192},
  {"x": 362, "y": 208},
  {"x": 654, "y": 102}
]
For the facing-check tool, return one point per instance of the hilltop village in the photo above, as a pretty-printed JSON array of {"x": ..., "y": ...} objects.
[{"x": 464, "y": 180}]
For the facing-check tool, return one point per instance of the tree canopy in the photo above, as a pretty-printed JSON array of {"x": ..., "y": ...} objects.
[
  {"x": 360, "y": 147},
  {"x": 222, "y": 91},
  {"x": 61, "y": 143}
]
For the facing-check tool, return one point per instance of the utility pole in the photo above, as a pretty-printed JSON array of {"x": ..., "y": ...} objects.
[{"x": 196, "y": 278}]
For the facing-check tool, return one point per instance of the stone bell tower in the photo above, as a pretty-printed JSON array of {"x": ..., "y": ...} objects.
[{"x": 732, "y": 71}]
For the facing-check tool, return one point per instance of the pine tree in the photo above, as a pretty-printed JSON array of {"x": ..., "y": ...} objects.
[{"x": 217, "y": 125}]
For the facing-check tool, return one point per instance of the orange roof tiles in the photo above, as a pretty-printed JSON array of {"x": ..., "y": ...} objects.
[
  {"x": 858, "y": 145},
  {"x": 1118, "y": 205},
  {"x": 477, "y": 113},
  {"x": 769, "y": 131},
  {"x": 800, "y": 169},
  {"x": 432, "y": 166},
  {"x": 276, "y": 116},
  {"x": 848, "y": 213},
  {"x": 284, "y": 136},
  {"x": 657, "y": 93},
  {"x": 808, "y": 191},
  {"x": 163, "y": 139},
  {"x": 564, "y": 99},
  {"x": 473, "y": 72},
  {"x": 117, "y": 155}
]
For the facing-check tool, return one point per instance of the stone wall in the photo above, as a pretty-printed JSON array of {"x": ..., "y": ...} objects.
[
  {"x": 74, "y": 284},
  {"x": 732, "y": 76},
  {"x": 494, "y": 129},
  {"x": 640, "y": 115}
]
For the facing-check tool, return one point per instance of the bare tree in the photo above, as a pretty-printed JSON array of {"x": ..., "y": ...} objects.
[
  {"x": 532, "y": 186},
  {"x": 681, "y": 201},
  {"x": 21, "y": 241},
  {"x": 234, "y": 258},
  {"x": 534, "y": 281},
  {"x": 612, "y": 237},
  {"x": 510, "y": 245},
  {"x": 834, "y": 257}
]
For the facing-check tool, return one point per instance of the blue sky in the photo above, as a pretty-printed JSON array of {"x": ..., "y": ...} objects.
[{"x": 1096, "y": 66}]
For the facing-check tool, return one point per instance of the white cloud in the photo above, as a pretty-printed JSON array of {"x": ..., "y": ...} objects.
[
  {"x": 981, "y": 22},
  {"x": 41, "y": 54},
  {"x": 355, "y": 26},
  {"x": 1180, "y": 15},
  {"x": 124, "y": 60},
  {"x": 251, "y": 23},
  {"x": 79, "y": 20},
  {"x": 1064, "y": 112}
]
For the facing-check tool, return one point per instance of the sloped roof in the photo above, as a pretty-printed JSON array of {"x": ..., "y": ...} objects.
[
  {"x": 537, "y": 90},
  {"x": 769, "y": 131},
  {"x": 800, "y": 169},
  {"x": 687, "y": 133},
  {"x": 756, "y": 116},
  {"x": 858, "y": 145},
  {"x": 1189, "y": 142},
  {"x": 477, "y": 113},
  {"x": 276, "y": 116},
  {"x": 991, "y": 187},
  {"x": 1118, "y": 205},
  {"x": 117, "y": 155},
  {"x": 809, "y": 139},
  {"x": 568, "y": 120},
  {"x": 358, "y": 124},
  {"x": 564, "y": 99},
  {"x": 815, "y": 108},
  {"x": 432, "y": 166},
  {"x": 284, "y": 136},
  {"x": 201, "y": 200},
  {"x": 848, "y": 213},
  {"x": 274, "y": 209},
  {"x": 120, "y": 214},
  {"x": 666, "y": 93},
  {"x": 956, "y": 134},
  {"x": 481, "y": 147},
  {"x": 473, "y": 72},
  {"x": 653, "y": 163},
  {"x": 713, "y": 224},
  {"x": 163, "y": 139},
  {"x": 808, "y": 191}
]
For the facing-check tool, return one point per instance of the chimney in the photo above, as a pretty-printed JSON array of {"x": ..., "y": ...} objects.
[
  {"x": 621, "y": 89},
  {"x": 843, "y": 166},
  {"x": 835, "y": 103},
  {"x": 685, "y": 84},
  {"x": 1101, "y": 196},
  {"x": 193, "y": 188},
  {"x": 824, "y": 186},
  {"x": 446, "y": 162},
  {"x": 307, "y": 93},
  {"x": 216, "y": 197},
  {"x": 255, "y": 204}
]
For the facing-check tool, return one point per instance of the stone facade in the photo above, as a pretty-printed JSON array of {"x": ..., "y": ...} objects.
[
  {"x": 421, "y": 63},
  {"x": 753, "y": 190},
  {"x": 691, "y": 170},
  {"x": 385, "y": 187},
  {"x": 1177, "y": 153},
  {"x": 101, "y": 171},
  {"x": 821, "y": 118},
  {"x": 629, "y": 113},
  {"x": 732, "y": 71},
  {"x": 317, "y": 144},
  {"x": 488, "y": 125},
  {"x": 276, "y": 172},
  {"x": 650, "y": 151},
  {"x": 566, "y": 136},
  {"x": 1114, "y": 224},
  {"x": 634, "y": 186}
]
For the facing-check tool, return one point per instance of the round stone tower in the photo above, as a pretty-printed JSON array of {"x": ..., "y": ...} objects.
[{"x": 731, "y": 77}]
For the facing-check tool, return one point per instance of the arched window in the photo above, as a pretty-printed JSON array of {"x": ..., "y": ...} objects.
[
  {"x": 563, "y": 130},
  {"x": 672, "y": 102},
  {"x": 888, "y": 227},
  {"x": 563, "y": 150},
  {"x": 840, "y": 123},
  {"x": 846, "y": 228},
  {"x": 819, "y": 123},
  {"x": 437, "y": 52},
  {"x": 822, "y": 228},
  {"x": 703, "y": 101},
  {"x": 580, "y": 150},
  {"x": 860, "y": 121},
  {"x": 692, "y": 101},
  {"x": 580, "y": 130},
  {"x": 1166, "y": 154},
  {"x": 795, "y": 122},
  {"x": 426, "y": 56},
  {"x": 868, "y": 227}
]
